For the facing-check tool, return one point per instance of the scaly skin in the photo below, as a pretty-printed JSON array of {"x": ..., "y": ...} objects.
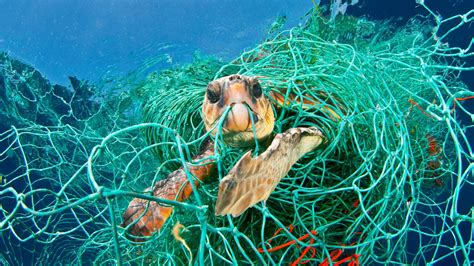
[{"x": 175, "y": 187}]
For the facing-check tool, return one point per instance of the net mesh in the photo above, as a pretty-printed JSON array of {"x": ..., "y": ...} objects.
[{"x": 386, "y": 188}]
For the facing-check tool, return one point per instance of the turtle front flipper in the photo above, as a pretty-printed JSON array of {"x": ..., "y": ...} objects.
[
  {"x": 252, "y": 180},
  {"x": 143, "y": 217}
]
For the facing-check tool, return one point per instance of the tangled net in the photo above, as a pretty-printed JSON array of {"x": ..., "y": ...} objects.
[{"x": 386, "y": 188}]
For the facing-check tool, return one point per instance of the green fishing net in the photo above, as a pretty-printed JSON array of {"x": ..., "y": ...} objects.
[{"x": 385, "y": 188}]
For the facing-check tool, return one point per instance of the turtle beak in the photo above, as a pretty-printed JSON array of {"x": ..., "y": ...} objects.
[
  {"x": 238, "y": 119},
  {"x": 237, "y": 96}
]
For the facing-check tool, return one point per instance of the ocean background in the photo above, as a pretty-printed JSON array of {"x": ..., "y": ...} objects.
[
  {"x": 94, "y": 40},
  {"x": 90, "y": 39}
]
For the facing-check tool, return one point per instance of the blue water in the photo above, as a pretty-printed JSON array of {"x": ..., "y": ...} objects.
[{"x": 90, "y": 39}]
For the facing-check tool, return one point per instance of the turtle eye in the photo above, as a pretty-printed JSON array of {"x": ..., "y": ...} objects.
[
  {"x": 257, "y": 90},
  {"x": 212, "y": 95}
]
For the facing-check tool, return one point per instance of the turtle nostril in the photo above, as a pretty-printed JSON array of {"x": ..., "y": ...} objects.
[{"x": 234, "y": 77}]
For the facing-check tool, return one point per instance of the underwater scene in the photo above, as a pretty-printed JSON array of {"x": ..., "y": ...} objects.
[{"x": 157, "y": 132}]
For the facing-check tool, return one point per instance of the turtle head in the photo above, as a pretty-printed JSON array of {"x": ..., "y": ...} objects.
[{"x": 244, "y": 95}]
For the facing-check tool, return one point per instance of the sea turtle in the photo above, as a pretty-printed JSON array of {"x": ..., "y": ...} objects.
[{"x": 251, "y": 180}]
